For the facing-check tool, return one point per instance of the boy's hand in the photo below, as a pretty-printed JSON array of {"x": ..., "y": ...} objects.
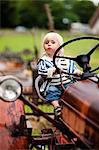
[
  {"x": 78, "y": 72},
  {"x": 51, "y": 71}
]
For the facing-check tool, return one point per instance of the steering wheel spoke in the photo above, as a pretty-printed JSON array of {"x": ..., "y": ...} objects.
[
  {"x": 64, "y": 57},
  {"x": 82, "y": 60},
  {"x": 93, "y": 49}
]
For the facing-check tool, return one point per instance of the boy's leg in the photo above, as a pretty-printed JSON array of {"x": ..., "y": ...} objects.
[
  {"x": 52, "y": 96},
  {"x": 55, "y": 103},
  {"x": 57, "y": 108}
]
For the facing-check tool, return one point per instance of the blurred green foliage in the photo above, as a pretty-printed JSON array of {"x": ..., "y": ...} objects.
[{"x": 31, "y": 13}]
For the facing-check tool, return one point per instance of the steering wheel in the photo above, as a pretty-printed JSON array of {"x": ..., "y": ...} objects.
[{"x": 82, "y": 60}]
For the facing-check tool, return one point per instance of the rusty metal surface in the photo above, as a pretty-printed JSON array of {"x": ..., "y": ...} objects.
[
  {"x": 10, "y": 114},
  {"x": 26, "y": 80},
  {"x": 12, "y": 143},
  {"x": 84, "y": 96},
  {"x": 13, "y": 135},
  {"x": 80, "y": 103},
  {"x": 11, "y": 66},
  {"x": 18, "y": 69}
]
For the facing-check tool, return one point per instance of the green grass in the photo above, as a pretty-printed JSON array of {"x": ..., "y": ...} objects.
[
  {"x": 45, "y": 108},
  {"x": 16, "y": 41},
  {"x": 20, "y": 41}
]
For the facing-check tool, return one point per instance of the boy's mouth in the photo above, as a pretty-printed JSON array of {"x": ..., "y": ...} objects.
[{"x": 49, "y": 48}]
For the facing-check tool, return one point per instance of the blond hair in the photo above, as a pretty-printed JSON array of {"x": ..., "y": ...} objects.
[{"x": 58, "y": 36}]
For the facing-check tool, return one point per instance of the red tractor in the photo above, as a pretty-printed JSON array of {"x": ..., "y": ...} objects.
[{"x": 79, "y": 125}]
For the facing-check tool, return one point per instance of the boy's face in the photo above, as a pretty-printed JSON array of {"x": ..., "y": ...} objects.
[{"x": 51, "y": 44}]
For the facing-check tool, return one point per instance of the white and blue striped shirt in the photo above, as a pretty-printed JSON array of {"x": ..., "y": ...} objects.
[{"x": 66, "y": 64}]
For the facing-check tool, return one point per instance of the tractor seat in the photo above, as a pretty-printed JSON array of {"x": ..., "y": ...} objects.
[{"x": 38, "y": 81}]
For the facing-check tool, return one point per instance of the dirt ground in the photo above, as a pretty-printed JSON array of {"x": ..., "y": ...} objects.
[{"x": 39, "y": 123}]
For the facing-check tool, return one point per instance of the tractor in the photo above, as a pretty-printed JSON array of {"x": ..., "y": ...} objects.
[{"x": 79, "y": 125}]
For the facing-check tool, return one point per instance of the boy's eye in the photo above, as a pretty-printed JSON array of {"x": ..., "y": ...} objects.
[
  {"x": 53, "y": 42},
  {"x": 46, "y": 42}
]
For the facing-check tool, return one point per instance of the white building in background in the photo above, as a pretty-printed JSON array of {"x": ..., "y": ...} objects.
[
  {"x": 91, "y": 28},
  {"x": 79, "y": 27},
  {"x": 94, "y": 22}
]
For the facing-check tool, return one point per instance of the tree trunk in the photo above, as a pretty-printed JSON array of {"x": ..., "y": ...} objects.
[{"x": 50, "y": 17}]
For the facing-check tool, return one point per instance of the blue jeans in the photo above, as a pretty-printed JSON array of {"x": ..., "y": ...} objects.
[{"x": 54, "y": 92}]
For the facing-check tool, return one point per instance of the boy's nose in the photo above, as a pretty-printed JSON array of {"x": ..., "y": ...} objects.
[{"x": 49, "y": 44}]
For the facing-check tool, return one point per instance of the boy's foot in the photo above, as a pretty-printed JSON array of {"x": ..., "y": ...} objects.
[{"x": 57, "y": 112}]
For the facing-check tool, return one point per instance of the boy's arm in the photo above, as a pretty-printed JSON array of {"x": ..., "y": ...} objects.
[
  {"x": 42, "y": 70},
  {"x": 50, "y": 72},
  {"x": 45, "y": 69}
]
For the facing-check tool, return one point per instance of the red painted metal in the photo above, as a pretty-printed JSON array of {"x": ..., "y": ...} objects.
[
  {"x": 10, "y": 113},
  {"x": 11, "y": 66},
  {"x": 81, "y": 109}
]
